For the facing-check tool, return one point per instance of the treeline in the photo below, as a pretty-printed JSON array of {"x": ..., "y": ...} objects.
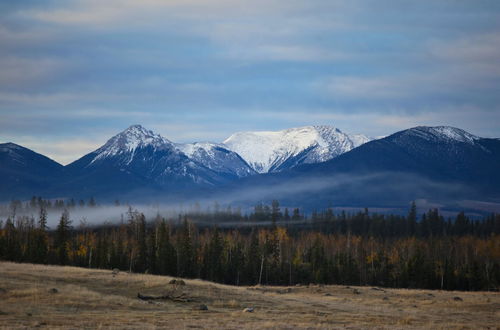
[
  {"x": 36, "y": 203},
  {"x": 451, "y": 255},
  {"x": 364, "y": 223}
]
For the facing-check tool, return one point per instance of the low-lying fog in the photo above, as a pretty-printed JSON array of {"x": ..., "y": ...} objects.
[{"x": 381, "y": 193}]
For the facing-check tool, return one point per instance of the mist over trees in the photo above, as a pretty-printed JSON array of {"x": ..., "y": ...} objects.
[{"x": 347, "y": 248}]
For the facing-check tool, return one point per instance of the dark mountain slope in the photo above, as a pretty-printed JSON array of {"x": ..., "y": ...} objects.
[
  {"x": 444, "y": 165},
  {"x": 24, "y": 173}
]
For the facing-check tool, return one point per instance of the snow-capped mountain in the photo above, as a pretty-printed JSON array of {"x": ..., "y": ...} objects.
[
  {"x": 138, "y": 158},
  {"x": 217, "y": 158},
  {"x": 273, "y": 151},
  {"x": 442, "y": 164},
  {"x": 124, "y": 145},
  {"x": 441, "y": 153},
  {"x": 442, "y": 134}
]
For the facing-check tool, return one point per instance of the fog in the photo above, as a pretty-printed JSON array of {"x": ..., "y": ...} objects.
[{"x": 380, "y": 192}]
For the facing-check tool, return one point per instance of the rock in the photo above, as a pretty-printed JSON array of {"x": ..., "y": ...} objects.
[
  {"x": 356, "y": 291},
  {"x": 457, "y": 299},
  {"x": 248, "y": 310},
  {"x": 53, "y": 290},
  {"x": 203, "y": 307}
]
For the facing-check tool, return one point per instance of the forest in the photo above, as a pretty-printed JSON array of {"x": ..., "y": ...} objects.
[{"x": 287, "y": 248}]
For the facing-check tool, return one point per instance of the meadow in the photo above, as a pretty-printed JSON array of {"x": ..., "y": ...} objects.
[{"x": 61, "y": 297}]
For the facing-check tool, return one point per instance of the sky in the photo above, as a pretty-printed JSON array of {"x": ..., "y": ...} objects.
[{"x": 73, "y": 73}]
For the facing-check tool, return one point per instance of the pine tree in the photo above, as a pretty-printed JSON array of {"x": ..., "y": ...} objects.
[
  {"x": 214, "y": 257},
  {"x": 142, "y": 248},
  {"x": 275, "y": 212},
  {"x": 253, "y": 258},
  {"x": 62, "y": 238},
  {"x": 42, "y": 219},
  {"x": 412, "y": 220},
  {"x": 41, "y": 239},
  {"x": 152, "y": 252},
  {"x": 167, "y": 256},
  {"x": 186, "y": 253},
  {"x": 12, "y": 242}
]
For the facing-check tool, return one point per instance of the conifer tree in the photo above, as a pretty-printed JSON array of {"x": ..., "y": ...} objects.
[
  {"x": 186, "y": 257},
  {"x": 214, "y": 256},
  {"x": 41, "y": 239},
  {"x": 62, "y": 238},
  {"x": 411, "y": 219},
  {"x": 142, "y": 251},
  {"x": 167, "y": 256}
]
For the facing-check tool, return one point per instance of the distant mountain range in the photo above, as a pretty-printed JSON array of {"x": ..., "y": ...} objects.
[
  {"x": 442, "y": 166},
  {"x": 312, "y": 166}
]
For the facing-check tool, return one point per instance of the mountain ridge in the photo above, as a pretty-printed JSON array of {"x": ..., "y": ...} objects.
[
  {"x": 441, "y": 162},
  {"x": 274, "y": 151}
]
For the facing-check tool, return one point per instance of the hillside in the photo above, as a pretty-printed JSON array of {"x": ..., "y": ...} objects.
[
  {"x": 98, "y": 299},
  {"x": 24, "y": 172}
]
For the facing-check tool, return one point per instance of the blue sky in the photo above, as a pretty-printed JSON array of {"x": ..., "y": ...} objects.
[{"x": 75, "y": 72}]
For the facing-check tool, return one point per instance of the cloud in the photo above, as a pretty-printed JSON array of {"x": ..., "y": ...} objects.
[{"x": 218, "y": 66}]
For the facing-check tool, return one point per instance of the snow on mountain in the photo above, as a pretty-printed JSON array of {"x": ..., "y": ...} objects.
[
  {"x": 129, "y": 140},
  {"x": 272, "y": 151},
  {"x": 145, "y": 156},
  {"x": 441, "y": 134},
  {"x": 359, "y": 139},
  {"x": 216, "y": 157}
]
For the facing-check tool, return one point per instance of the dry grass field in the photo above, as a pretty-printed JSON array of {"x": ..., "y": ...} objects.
[{"x": 97, "y": 299}]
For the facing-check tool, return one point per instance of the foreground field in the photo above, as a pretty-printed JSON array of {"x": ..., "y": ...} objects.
[{"x": 86, "y": 298}]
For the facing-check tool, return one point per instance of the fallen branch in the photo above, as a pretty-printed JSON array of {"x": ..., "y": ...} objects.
[{"x": 165, "y": 297}]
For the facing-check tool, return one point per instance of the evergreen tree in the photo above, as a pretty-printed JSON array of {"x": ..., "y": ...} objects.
[
  {"x": 62, "y": 238},
  {"x": 142, "y": 248},
  {"x": 213, "y": 263},
  {"x": 412, "y": 220},
  {"x": 185, "y": 251},
  {"x": 275, "y": 212},
  {"x": 167, "y": 256},
  {"x": 41, "y": 239}
]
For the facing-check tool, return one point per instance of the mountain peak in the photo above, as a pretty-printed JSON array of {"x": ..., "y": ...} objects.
[
  {"x": 443, "y": 133},
  {"x": 138, "y": 131},
  {"x": 10, "y": 145},
  {"x": 127, "y": 141}
]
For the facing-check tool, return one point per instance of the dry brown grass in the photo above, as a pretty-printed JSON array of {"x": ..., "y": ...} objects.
[{"x": 94, "y": 299}]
